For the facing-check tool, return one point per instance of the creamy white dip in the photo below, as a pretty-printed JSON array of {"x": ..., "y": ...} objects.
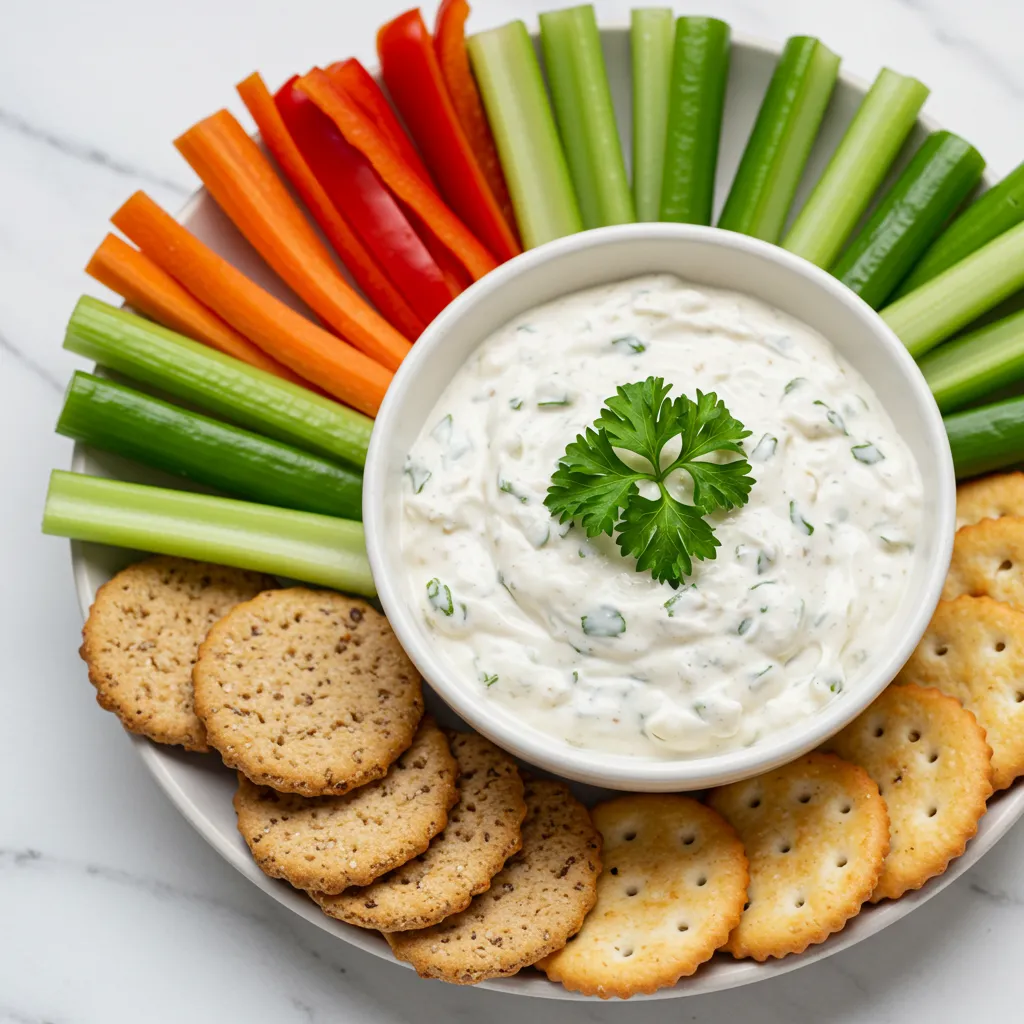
[{"x": 562, "y": 629}]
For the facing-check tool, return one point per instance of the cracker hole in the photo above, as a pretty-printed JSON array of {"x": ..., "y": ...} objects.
[
  {"x": 879, "y": 731},
  {"x": 614, "y": 871},
  {"x": 1005, "y": 566},
  {"x": 799, "y": 902},
  {"x": 632, "y": 890},
  {"x": 932, "y": 811},
  {"x": 1000, "y": 647},
  {"x": 841, "y": 862},
  {"x": 689, "y": 839},
  {"x": 942, "y": 651},
  {"x": 682, "y": 927},
  {"x": 785, "y": 848},
  {"x": 933, "y": 757},
  {"x": 845, "y": 809},
  {"x": 629, "y": 837},
  {"x": 804, "y": 798},
  {"x": 756, "y": 802},
  {"x": 1018, "y": 697},
  {"x": 914, "y": 736},
  {"x": 703, "y": 880},
  {"x": 627, "y": 952}
]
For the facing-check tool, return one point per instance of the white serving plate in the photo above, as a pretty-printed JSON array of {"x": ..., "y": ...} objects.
[{"x": 201, "y": 788}]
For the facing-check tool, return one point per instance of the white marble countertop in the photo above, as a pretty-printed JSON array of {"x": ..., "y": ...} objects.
[{"x": 111, "y": 907}]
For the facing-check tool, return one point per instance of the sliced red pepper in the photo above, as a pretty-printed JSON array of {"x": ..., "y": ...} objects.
[
  {"x": 355, "y": 188},
  {"x": 413, "y": 77},
  {"x": 450, "y": 47}
]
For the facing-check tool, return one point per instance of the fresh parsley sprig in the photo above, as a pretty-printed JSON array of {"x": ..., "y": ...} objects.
[{"x": 594, "y": 487}]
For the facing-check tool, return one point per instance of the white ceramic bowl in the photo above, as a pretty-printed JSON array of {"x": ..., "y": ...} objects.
[{"x": 706, "y": 256}]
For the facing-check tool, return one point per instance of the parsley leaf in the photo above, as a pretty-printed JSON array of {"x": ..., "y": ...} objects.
[{"x": 594, "y": 486}]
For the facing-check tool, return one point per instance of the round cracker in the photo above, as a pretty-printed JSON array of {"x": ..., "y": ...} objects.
[
  {"x": 973, "y": 650},
  {"x": 534, "y": 903},
  {"x": 933, "y": 767},
  {"x": 328, "y": 843},
  {"x": 990, "y": 497},
  {"x": 307, "y": 691},
  {"x": 142, "y": 636},
  {"x": 483, "y": 831},
  {"x": 988, "y": 561},
  {"x": 671, "y": 891},
  {"x": 816, "y": 834}
]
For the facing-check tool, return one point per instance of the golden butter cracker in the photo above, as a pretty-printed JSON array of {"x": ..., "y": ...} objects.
[
  {"x": 816, "y": 834},
  {"x": 990, "y": 497},
  {"x": 988, "y": 561},
  {"x": 671, "y": 891}
]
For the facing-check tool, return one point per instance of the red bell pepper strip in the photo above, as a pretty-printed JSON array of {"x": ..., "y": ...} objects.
[
  {"x": 413, "y": 77},
  {"x": 354, "y": 187},
  {"x": 406, "y": 183},
  {"x": 450, "y": 47},
  {"x": 365, "y": 271}
]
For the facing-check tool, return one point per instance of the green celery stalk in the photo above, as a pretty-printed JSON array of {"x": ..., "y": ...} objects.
[
  {"x": 300, "y": 545},
  {"x": 976, "y": 364},
  {"x": 700, "y": 70},
  {"x": 198, "y": 374},
  {"x": 650, "y": 39},
  {"x": 940, "y": 176},
  {"x": 986, "y": 439},
  {"x": 571, "y": 42},
  {"x": 941, "y": 306},
  {"x": 853, "y": 175},
  {"x": 118, "y": 419},
  {"x": 998, "y": 210},
  {"x": 512, "y": 88},
  {"x": 780, "y": 143}
]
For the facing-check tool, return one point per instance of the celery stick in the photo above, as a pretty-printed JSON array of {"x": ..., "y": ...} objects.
[
  {"x": 946, "y": 303},
  {"x": 935, "y": 182},
  {"x": 651, "y": 48},
  {"x": 571, "y": 43},
  {"x": 300, "y": 545},
  {"x": 115, "y": 418},
  {"x": 998, "y": 210},
  {"x": 242, "y": 394},
  {"x": 700, "y": 70},
  {"x": 777, "y": 151},
  {"x": 864, "y": 155},
  {"x": 988, "y": 438},
  {"x": 512, "y": 88},
  {"x": 976, "y": 364}
]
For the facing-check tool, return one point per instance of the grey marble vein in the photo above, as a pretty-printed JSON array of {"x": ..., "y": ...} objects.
[
  {"x": 1000, "y": 897},
  {"x": 37, "y": 370},
  {"x": 10, "y": 1015},
  {"x": 74, "y": 150}
]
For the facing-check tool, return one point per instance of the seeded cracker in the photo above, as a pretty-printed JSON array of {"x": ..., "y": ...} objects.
[
  {"x": 672, "y": 889},
  {"x": 816, "y": 834},
  {"x": 933, "y": 767},
  {"x": 533, "y": 905},
  {"x": 142, "y": 635},
  {"x": 483, "y": 831},
  {"x": 307, "y": 691},
  {"x": 988, "y": 560},
  {"x": 329, "y": 843},
  {"x": 973, "y": 650},
  {"x": 990, "y": 497}
]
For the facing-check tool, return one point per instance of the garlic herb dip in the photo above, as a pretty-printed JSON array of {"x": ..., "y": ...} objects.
[{"x": 563, "y": 630}]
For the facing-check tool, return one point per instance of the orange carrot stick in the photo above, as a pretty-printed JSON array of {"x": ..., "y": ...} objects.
[
  {"x": 309, "y": 350},
  {"x": 405, "y": 182},
  {"x": 154, "y": 293},
  {"x": 361, "y": 264},
  {"x": 249, "y": 191}
]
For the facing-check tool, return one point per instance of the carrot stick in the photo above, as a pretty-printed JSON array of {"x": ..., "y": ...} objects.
[
  {"x": 249, "y": 191},
  {"x": 360, "y": 262},
  {"x": 450, "y": 46},
  {"x": 138, "y": 280},
  {"x": 309, "y": 350},
  {"x": 405, "y": 182}
]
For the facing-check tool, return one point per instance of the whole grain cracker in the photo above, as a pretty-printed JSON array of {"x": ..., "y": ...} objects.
[
  {"x": 973, "y": 650},
  {"x": 307, "y": 691},
  {"x": 816, "y": 834},
  {"x": 988, "y": 561},
  {"x": 142, "y": 635},
  {"x": 328, "y": 843},
  {"x": 990, "y": 497},
  {"x": 933, "y": 767},
  {"x": 483, "y": 831},
  {"x": 535, "y": 903},
  {"x": 672, "y": 889}
]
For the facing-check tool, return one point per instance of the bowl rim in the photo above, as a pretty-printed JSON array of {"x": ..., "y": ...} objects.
[{"x": 593, "y": 766}]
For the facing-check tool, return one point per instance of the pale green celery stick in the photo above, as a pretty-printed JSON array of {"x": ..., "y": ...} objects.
[
  {"x": 941, "y": 306},
  {"x": 976, "y": 364},
  {"x": 571, "y": 42},
  {"x": 300, "y": 545},
  {"x": 651, "y": 50},
  {"x": 857, "y": 168},
  {"x": 781, "y": 141},
  {"x": 512, "y": 88}
]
